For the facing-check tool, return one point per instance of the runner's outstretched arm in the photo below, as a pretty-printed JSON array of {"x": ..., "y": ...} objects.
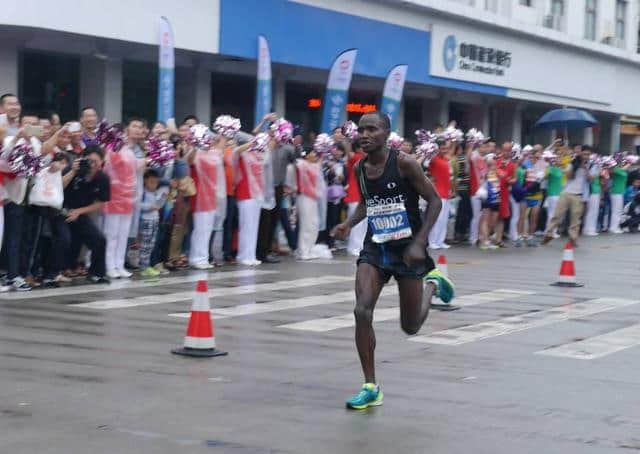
[
  {"x": 341, "y": 231},
  {"x": 411, "y": 170}
]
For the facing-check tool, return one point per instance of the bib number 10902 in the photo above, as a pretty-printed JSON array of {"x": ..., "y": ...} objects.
[{"x": 388, "y": 222}]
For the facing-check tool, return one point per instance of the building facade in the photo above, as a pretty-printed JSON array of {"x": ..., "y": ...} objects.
[{"x": 493, "y": 64}]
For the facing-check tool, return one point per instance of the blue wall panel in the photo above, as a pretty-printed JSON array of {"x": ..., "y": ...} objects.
[{"x": 307, "y": 36}]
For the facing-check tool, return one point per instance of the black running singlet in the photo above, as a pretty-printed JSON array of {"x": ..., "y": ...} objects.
[{"x": 393, "y": 216}]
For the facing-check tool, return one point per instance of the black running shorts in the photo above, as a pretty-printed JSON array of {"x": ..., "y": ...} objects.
[{"x": 388, "y": 259}]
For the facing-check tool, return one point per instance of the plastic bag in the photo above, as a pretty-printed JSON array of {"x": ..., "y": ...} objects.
[{"x": 47, "y": 190}]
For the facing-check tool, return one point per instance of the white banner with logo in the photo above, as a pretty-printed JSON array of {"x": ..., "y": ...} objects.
[
  {"x": 335, "y": 100},
  {"x": 166, "y": 71},
  {"x": 263, "y": 91},
  {"x": 392, "y": 93}
]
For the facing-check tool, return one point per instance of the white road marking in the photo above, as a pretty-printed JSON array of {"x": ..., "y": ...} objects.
[
  {"x": 151, "y": 300},
  {"x": 598, "y": 346},
  {"x": 278, "y": 305},
  {"x": 126, "y": 284},
  {"x": 320, "y": 325},
  {"x": 508, "y": 325}
]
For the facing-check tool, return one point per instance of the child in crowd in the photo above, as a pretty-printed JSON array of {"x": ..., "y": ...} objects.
[{"x": 153, "y": 199}]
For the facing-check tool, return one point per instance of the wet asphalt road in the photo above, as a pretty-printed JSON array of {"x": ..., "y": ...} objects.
[{"x": 522, "y": 367}]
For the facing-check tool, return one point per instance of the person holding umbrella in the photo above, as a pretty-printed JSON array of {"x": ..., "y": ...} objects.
[{"x": 571, "y": 198}]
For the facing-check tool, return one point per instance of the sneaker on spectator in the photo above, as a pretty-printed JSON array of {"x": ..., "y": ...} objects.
[
  {"x": 98, "y": 280},
  {"x": 4, "y": 288},
  {"x": 112, "y": 274},
  {"x": 62, "y": 278},
  {"x": 124, "y": 273},
  {"x": 202, "y": 266},
  {"x": 50, "y": 283},
  {"x": 161, "y": 269},
  {"x": 150, "y": 272},
  {"x": 20, "y": 285}
]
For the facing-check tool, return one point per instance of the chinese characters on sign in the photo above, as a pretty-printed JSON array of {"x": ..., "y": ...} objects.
[{"x": 473, "y": 56}]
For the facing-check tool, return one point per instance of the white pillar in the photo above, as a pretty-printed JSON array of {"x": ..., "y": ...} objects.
[
  {"x": 443, "y": 110},
  {"x": 614, "y": 143},
  {"x": 485, "y": 123},
  {"x": 9, "y": 68},
  {"x": 587, "y": 138},
  {"x": 101, "y": 87},
  {"x": 279, "y": 94},
  {"x": 202, "y": 101},
  {"x": 516, "y": 132},
  {"x": 193, "y": 94}
]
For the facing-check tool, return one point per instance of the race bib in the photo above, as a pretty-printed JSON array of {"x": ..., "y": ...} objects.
[{"x": 388, "y": 222}]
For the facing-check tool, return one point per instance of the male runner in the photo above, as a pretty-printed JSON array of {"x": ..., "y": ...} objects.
[{"x": 390, "y": 183}]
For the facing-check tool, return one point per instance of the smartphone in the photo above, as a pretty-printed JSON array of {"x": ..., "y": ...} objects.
[
  {"x": 4, "y": 120},
  {"x": 75, "y": 126},
  {"x": 34, "y": 131}
]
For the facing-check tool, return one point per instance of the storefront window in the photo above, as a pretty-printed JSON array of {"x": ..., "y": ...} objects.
[
  {"x": 49, "y": 83},
  {"x": 139, "y": 90},
  {"x": 234, "y": 95},
  {"x": 304, "y": 105}
]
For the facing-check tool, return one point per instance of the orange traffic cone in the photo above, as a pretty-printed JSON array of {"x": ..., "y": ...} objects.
[
  {"x": 200, "y": 340},
  {"x": 567, "y": 277},
  {"x": 442, "y": 267}
]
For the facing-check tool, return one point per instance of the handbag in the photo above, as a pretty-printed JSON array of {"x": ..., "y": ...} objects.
[
  {"x": 335, "y": 192},
  {"x": 482, "y": 193},
  {"x": 187, "y": 186},
  {"x": 47, "y": 190}
]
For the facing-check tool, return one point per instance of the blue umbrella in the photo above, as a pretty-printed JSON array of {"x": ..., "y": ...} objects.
[{"x": 566, "y": 119}]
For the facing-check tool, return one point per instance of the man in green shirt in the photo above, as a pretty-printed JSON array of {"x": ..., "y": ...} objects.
[
  {"x": 555, "y": 177},
  {"x": 618, "y": 186}
]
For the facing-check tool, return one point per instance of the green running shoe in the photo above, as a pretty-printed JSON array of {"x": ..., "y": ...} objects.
[
  {"x": 444, "y": 287},
  {"x": 369, "y": 396}
]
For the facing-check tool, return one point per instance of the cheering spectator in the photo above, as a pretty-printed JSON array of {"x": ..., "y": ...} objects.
[
  {"x": 309, "y": 187},
  {"x": 122, "y": 167},
  {"x": 12, "y": 109},
  {"x": 352, "y": 199},
  {"x": 207, "y": 170},
  {"x": 440, "y": 170},
  {"x": 618, "y": 186},
  {"x": 86, "y": 190},
  {"x": 571, "y": 198},
  {"x": 14, "y": 209},
  {"x": 153, "y": 199},
  {"x": 89, "y": 122}
]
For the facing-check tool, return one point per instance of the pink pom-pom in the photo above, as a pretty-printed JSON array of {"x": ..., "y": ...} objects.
[
  {"x": 395, "y": 141},
  {"x": 226, "y": 126},
  {"x": 475, "y": 137},
  {"x": 200, "y": 136},
  {"x": 110, "y": 137},
  {"x": 425, "y": 136},
  {"x": 24, "y": 161},
  {"x": 260, "y": 143},
  {"x": 323, "y": 144},
  {"x": 282, "y": 131},
  {"x": 159, "y": 152},
  {"x": 350, "y": 130},
  {"x": 451, "y": 134}
]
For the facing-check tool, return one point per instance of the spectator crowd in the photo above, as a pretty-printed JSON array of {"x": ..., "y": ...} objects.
[{"x": 86, "y": 199}]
